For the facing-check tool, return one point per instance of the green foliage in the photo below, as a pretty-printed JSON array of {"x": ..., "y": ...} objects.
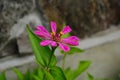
[
  {"x": 73, "y": 74},
  {"x": 19, "y": 74},
  {"x": 55, "y": 73},
  {"x": 73, "y": 50},
  {"x": 90, "y": 77},
  {"x": 42, "y": 54},
  {"x": 36, "y": 74},
  {"x": 65, "y": 35},
  {"x": 2, "y": 76},
  {"x": 28, "y": 75}
]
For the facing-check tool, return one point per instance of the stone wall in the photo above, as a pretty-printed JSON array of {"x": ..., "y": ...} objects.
[
  {"x": 14, "y": 15},
  {"x": 85, "y": 17}
]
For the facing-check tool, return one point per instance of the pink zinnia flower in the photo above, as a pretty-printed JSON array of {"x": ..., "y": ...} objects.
[{"x": 54, "y": 39}]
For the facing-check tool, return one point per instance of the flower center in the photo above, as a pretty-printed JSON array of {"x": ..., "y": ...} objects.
[{"x": 56, "y": 37}]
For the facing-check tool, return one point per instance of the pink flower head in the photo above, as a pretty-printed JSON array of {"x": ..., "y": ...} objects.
[{"x": 54, "y": 39}]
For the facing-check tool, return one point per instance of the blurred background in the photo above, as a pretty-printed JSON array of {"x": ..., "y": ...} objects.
[{"x": 96, "y": 20}]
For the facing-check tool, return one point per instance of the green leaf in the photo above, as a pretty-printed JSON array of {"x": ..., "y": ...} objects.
[
  {"x": 36, "y": 77},
  {"x": 72, "y": 74},
  {"x": 90, "y": 77},
  {"x": 65, "y": 35},
  {"x": 35, "y": 71},
  {"x": 19, "y": 74},
  {"x": 42, "y": 53},
  {"x": 83, "y": 65},
  {"x": 67, "y": 71},
  {"x": 73, "y": 50},
  {"x": 40, "y": 74},
  {"x": 2, "y": 76},
  {"x": 28, "y": 75},
  {"x": 55, "y": 73}
]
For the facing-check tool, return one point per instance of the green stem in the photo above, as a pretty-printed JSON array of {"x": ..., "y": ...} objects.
[
  {"x": 53, "y": 49},
  {"x": 63, "y": 62}
]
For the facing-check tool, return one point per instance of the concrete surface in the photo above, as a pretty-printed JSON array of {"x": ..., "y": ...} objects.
[{"x": 105, "y": 60}]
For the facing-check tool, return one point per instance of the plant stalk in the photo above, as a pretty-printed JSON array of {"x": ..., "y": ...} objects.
[
  {"x": 53, "y": 49},
  {"x": 64, "y": 60}
]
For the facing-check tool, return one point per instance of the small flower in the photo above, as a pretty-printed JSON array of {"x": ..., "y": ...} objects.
[{"x": 54, "y": 39}]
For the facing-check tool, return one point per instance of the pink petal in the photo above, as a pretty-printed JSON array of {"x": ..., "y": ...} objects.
[
  {"x": 64, "y": 47},
  {"x": 45, "y": 42},
  {"x": 67, "y": 29},
  {"x": 42, "y": 34},
  {"x": 53, "y": 26},
  {"x": 72, "y": 40},
  {"x": 42, "y": 29},
  {"x": 53, "y": 43}
]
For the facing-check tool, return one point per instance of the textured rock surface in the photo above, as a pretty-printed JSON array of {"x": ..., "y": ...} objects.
[
  {"x": 10, "y": 12},
  {"x": 24, "y": 44},
  {"x": 22, "y": 38},
  {"x": 85, "y": 17},
  {"x": 10, "y": 49}
]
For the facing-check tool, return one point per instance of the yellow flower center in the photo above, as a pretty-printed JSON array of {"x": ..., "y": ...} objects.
[{"x": 56, "y": 37}]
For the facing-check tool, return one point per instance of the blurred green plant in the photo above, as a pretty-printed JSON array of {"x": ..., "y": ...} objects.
[
  {"x": 36, "y": 74},
  {"x": 2, "y": 76},
  {"x": 73, "y": 74},
  {"x": 90, "y": 77}
]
